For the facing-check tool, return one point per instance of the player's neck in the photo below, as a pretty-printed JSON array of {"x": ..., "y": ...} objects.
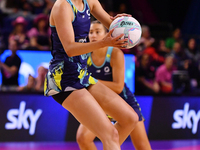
[
  {"x": 100, "y": 52},
  {"x": 79, "y": 4}
]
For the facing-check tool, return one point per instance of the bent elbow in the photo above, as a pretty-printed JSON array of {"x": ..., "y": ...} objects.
[
  {"x": 69, "y": 53},
  {"x": 69, "y": 49}
]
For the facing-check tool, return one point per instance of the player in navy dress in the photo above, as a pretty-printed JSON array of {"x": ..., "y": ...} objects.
[
  {"x": 70, "y": 83},
  {"x": 107, "y": 65}
]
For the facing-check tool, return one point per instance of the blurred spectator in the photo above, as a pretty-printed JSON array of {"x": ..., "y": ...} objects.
[
  {"x": 164, "y": 75},
  {"x": 154, "y": 52},
  {"x": 48, "y": 6},
  {"x": 192, "y": 51},
  {"x": 35, "y": 84},
  {"x": 145, "y": 41},
  {"x": 176, "y": 37},
  {"x": 19, "y": 32},
  {"x": 42, "y": 71},
  {"x": 8, "y": 7},
  {"x": 16, "y": 8},
  {"x": 162, "y": 49},
  {"x": 2, "y": 42},
  {"x": 185, "y": 63},
  {"x": 10, "y": 68},
  {"x": 30, "y": 87},
  {"x": 145, "y": 77},
  {"x": 193, "y": 63},
  {"x": 179, "y": 55},
  {"x": 38, "y": 5},
  {"x": 40, "y": 34},
  {"x": 27, "y": 8}
]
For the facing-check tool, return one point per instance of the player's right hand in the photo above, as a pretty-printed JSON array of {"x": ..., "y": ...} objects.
[{"x": 117, "y": 41}]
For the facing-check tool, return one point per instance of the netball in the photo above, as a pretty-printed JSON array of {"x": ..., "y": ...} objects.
[{"x": 128, "y": 26}]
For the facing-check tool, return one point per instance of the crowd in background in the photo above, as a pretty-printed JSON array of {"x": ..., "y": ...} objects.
[
  {"x": 166, "y": 65},
  {"x": 163, "y": 65}
]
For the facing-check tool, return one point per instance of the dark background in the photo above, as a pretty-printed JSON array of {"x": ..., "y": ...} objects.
[{"x": 162, "y": 16}]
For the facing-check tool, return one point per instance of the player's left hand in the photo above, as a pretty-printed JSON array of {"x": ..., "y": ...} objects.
[{"x": 120, "y": 15}]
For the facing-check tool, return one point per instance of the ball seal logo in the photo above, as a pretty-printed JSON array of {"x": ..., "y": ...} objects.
[{"x": 126, "y": 23}]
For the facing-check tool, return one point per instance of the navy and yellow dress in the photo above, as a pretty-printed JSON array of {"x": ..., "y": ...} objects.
[
  {"x": 69, "y": 73},
  {"x": 104, "y": 72}
]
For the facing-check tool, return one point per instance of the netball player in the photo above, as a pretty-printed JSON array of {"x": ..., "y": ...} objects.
[
  {"x": 68, "y": 80},
  {"x": 107, "y": 65}
]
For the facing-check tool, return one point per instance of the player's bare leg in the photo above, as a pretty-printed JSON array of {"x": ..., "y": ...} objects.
[
  {"x": 87, "y": 111},
  {"x": 116, "y": 107},
  {"x": 85, "y": 138},
  {"x": 139, "y": 137}
]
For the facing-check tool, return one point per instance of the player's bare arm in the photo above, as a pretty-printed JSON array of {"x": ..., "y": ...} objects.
[
  {"x": 118, "y": 68},
  {"x": 61, "y": 17}
]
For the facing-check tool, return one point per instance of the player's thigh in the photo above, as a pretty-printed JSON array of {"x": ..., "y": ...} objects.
[
  {"x": 84, "y": 134},
  {"x": 87, "y": 111},
  {"x": 111, "y": 102}
]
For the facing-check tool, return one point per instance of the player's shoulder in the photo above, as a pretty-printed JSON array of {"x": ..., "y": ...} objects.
[
  {"x": 61, "y": 4},
  {"x": 60, "y": 8},
  {"x": 92, "y": 3},
  {"x": 116, "y": 51},
  {"x": 117, "y": 55}
]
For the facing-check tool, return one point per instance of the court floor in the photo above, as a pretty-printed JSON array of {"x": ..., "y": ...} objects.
[{"x": 156, "y": 145}]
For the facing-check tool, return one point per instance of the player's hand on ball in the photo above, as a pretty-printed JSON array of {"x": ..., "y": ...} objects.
[
  {"x": 115, "y": 41},
  {"x": 120, "y": 15}
]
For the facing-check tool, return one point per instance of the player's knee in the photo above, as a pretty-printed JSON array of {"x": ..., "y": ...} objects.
[
  {"x": 133, "y": 119},
  {"x": 115, "y": 134},
  {"x": 111, "y": 135},
  {"x": 82, "y": 139}
]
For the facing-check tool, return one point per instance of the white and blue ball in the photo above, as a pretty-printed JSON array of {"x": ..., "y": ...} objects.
[{"x": 128, "y": 26}]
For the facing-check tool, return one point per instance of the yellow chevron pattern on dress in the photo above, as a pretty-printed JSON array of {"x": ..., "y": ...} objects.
[
  {"x": 45, "y": 85},
  {"x": 89, "y": 61},
  {"x": 57, "y": 77},
  {"x": 92, "y": 80},
  {"x": 75, "y": 10},
  {"x": 82, "y": 74}
]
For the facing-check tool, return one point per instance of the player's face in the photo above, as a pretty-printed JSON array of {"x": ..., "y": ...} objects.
[{"x": 97, "y": 32}]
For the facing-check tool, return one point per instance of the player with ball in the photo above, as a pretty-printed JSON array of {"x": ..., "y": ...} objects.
[
  {"x": 70, "y": 83},
  {"x": 107, "y": 65}
]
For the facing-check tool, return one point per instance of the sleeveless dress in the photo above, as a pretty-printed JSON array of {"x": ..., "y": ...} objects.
[
  {"x": 69, "y": 73},
  {"x": 104, "y": 72}
]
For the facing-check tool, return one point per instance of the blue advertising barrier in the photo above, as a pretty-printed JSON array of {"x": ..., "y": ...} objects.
[
  {"x": 175, "y": 117},
  {"x": 31, "y": 117},
  {"x": 34, "y": 117}
]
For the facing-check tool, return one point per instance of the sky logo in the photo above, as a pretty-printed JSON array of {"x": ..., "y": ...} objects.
[
  {"x": 21, "y": 118},
  {"x": 185, "y": 118}
]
